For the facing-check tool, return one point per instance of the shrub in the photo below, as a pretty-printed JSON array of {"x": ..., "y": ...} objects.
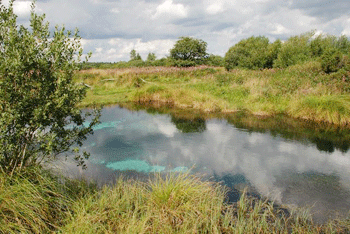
[
  {"x": 214, "y": 60},
  {"x": 38, "y": 96},
  {"x": 251, "y": 53},
  {"x": 295, "y": 50},
  {"x": 331, "y": 60}
]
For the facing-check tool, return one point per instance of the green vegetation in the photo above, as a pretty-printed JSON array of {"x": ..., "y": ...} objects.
[
  {"x": 134, "y": 56},
  {"x": 259, "y": 53},
  {"x": 39, "y": 120},
  {"x": 299, "y": 91},
  {"x": 37, "y": 93},
  {"x": 252, "y": 53},
  {"x": 188, "y": 52},
  {"x": 39, "y": 202}
]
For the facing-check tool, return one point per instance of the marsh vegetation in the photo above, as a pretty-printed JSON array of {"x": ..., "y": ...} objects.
[{"x": 306, "y": 77}]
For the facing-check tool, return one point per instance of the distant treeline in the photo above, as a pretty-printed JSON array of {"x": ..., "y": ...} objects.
[
  {"x": 255, "y": 52},
  {"x": 211, "y": 60},
  {"x": 258, "y": 53}
]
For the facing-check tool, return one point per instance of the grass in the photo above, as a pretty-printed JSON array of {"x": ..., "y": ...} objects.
[
  {"x": 300, "y": 91},
  {"x": 39, "y": 202}
]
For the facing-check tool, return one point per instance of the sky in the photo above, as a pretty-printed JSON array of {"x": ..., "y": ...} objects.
[{"x": 110, "y": 29}]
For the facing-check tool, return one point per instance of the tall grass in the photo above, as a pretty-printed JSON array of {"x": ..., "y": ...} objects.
[
  {"x": 36, "y": 201},
  {"x": 175, "y": 203},
  {"x": 181, "y": 203}
]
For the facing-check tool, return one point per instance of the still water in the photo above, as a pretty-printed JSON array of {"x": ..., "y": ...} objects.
[{"x": 290, "y": 169}]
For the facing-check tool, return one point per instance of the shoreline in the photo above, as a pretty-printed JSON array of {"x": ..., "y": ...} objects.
[{"x": 316, "y": 96}]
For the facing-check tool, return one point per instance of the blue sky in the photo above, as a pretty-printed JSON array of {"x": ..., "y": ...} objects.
[{"x": 112, "y": 28}]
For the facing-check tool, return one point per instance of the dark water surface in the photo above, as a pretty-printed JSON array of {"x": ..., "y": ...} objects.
[{"x": 292, "y": 163}]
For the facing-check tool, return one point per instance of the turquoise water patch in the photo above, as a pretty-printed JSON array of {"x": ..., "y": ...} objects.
[
  {"x": 135, "y": 165},
  {"x": 157, "y": 168},
  {"x": 179, "y": 169},
  {"x": 110, "y": 124}
]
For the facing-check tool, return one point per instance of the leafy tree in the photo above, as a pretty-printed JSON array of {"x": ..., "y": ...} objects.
[
  {"x": 295, "y": 50},
  {"x": 251, "y": 53},
  {"x": 191, "y": 49},
  {"x": 151, "y": 57},
  {"x": 331, "y": 60},
  {"x": 134, "y": 56},
  {"x": 272, "y": 53},
  {"x": 38, "y": 97},
  {"x": 321, "y": 43},
  {"x": 343, "y": 44}
]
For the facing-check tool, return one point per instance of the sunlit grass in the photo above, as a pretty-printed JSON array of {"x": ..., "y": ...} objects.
[
  {"x": 300, "y": 91},
  {"x": 38, "y": 202},
  {"x": 333, "y": 108}
]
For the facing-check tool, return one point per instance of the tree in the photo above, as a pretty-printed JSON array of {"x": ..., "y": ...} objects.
[
  {"x": 151, "y": 57},
  {"x": 187, "y": 48},
  {"x": 251, "y": 53},
  {"x": 134, "y": 56},
  {"x": 295, "y": 50},
  {"x": 38, "y": 98}
]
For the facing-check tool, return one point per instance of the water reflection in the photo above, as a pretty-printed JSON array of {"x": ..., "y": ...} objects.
[
  {"x": 189, "y": 125},
  {"x": 295, "y": 169}
]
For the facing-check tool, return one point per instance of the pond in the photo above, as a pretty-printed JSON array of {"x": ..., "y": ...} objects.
[{"x": 293, "y": 163}]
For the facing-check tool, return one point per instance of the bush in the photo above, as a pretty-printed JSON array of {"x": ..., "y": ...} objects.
[
  {"x": 180, "y": 63},
  {"x": 295, "y": 50},
  {"x": 39, "y": 119},
  {"x": 331, "y": 60},
  {"x": 251, "y": 53},
  {"x": 214, "y": 60}
]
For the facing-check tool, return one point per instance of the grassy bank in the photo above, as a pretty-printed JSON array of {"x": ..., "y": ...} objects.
[
  {"x": 299, "y": 91},
  {"x": 39, "y": 202}
]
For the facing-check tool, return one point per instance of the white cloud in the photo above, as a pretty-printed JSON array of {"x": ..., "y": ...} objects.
[
  {"x": 112, "y": 51},
  {"x": 115, "y": 10},
  {"x": 116, "y": 49},
  {"x": 168, "y": 8},
  {"x": 22, "y": 9},
  {"x": 346, "y": 30},
  {"x": 214, "y": 8},
  {"x": 280, "y": 29},
  {"x": 153, "y": 26},
  {"x": 99, "y": 50}
]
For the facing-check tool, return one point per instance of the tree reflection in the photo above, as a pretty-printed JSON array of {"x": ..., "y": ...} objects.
[{"x": 189, "y": 125}]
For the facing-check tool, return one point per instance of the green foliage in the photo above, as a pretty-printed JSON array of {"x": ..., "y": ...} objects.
[
  {"x": 295, "y": 50},
  {"x": 180, "y": 63},
  {"x": 272, "y": 53},
  {"x": 321, "y": 43},
  {"x": 214, "y": 60},
  {"x": 151, "y": 57},
  {"x": 135, "y": 56},
  {"x": 189, "y": 49},
  {"x": 38, "y": 97},
  {"x": 331, "y": 60},
  {"x": 251, "y": 53}
]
